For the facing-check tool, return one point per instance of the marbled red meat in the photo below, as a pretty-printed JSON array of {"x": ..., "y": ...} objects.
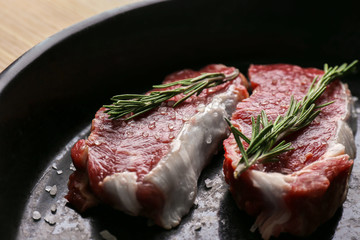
[
  {"x": 307, "y": 185},
  {"x": 149, "y": 165}
]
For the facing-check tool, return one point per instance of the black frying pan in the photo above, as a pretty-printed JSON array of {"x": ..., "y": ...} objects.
[{"x": 49, "y": 96}]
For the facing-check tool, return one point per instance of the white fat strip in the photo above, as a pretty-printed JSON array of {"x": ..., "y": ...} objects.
[
  {"x": 177, "y": 173},
  {"x": 343, "y": 141},
  {"x": 273, "y": 186},
  {"x": 122, "y": 189}
]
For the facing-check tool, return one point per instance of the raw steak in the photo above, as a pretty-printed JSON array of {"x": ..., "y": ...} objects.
[
  {"x": 150, "y": 165},
  {"x": 307, "y": 185}
]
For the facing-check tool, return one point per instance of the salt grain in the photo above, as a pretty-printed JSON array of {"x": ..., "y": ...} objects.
[
  {"x": 129, "y": 133},
  {"x": 171, "y": 136},
  {"x": 186, "y": 118},
  {"x": 48, "y": 188},
  {"x": 173, "y": 116},
  {"x": 50, "y": 220},
  {"x": 162, "y": 111},
  {"x": 157, "y": 137},
  {"x": 36, "y": 215},
  {"x": 54, "y": 166},
  {"x": 53, "y": 190},
  {"x": 72, "y": 167},
  {"x": 59, "y": 172},
  {"x": 191, "y": 196},
  {"x": 197, "y": 226},
  {"x": 208, "y": 183},
  {"x": 53, "y": 208},
  {"x": 107, "y": 235},
  {"x": 151, "y": 125},
  {"x": 196, "y": 204},
  {"x": 209, "y": 139},
  {"x": 264, "y": 103}
]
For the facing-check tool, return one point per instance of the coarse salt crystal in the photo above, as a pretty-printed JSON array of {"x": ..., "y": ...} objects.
[
  {"x": 208, "y": 139},
  {"x": 50, "y": 220},
  {"x": 105, "y": 234},
  {"x": 72, "y": 167},
  {"x": 208, "y": 183},
  {"x": 54, "y": 166},
  {"x": 53, "y": 208},
  {"x": 36, "y": 215},
  {"x": 196, "y": 204},
  {"x": 197, "y": 226},
  {"x": 53, "y": 190}
]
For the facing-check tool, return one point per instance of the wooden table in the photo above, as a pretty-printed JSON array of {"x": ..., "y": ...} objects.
[{"x": 25, "y": 23}]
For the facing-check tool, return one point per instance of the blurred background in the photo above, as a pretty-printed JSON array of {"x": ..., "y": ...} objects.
[{"x": 26, "y": 23}]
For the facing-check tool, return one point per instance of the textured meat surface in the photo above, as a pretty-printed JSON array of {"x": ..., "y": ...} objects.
[
  {"x": 123, "y": 159},
  {"x": 306, "y": 186}
]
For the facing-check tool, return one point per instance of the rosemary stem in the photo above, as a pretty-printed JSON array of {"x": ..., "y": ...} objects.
[{"x": 128, "y": 106}]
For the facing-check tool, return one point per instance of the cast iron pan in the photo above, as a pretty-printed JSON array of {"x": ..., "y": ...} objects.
[{"x": 49, "y": 96}]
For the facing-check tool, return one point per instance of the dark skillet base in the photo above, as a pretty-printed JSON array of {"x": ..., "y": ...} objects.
[{"x": 214, "y": 215}]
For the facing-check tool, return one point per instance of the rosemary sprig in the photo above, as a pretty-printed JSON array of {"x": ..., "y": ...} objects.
[
  {"x": 266, "y": 141},
  {"x": 132, "y": 105}
]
